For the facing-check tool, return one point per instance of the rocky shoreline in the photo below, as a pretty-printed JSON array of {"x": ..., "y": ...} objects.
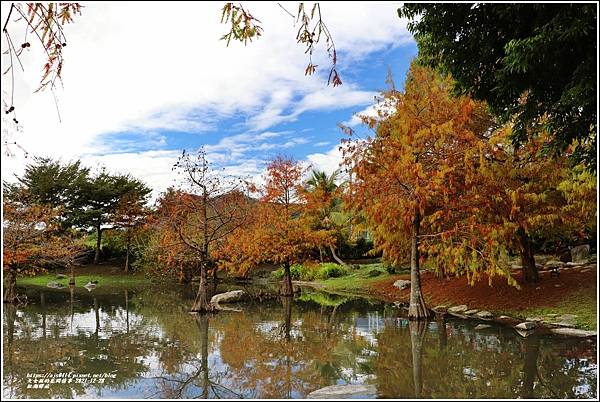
[{"x": 563, "y": 325}]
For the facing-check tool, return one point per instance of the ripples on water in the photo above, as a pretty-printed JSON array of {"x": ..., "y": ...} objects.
[{"x": 151, "y": 347}]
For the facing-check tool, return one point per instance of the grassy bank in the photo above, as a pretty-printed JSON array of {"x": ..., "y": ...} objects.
[
  {"x": 81, "y": 280},
  {"x": 358, "y": 281},
  {"x": 574, "y": 292}
]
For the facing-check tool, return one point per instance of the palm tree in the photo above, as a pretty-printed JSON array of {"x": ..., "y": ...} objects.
[
  {"x": 320, "y": 180},
  {"x": 330, "y": 214}
]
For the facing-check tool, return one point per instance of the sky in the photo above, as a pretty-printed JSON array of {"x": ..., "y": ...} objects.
[{"x": 143, "y": 81}]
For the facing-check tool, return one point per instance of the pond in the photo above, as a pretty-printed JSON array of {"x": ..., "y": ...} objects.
[{"x": 143, "y": 343}]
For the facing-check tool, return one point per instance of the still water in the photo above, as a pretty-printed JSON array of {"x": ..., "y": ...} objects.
[{"x": 142, "y": 343}]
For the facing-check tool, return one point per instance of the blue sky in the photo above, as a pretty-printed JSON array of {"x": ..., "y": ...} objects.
[
  {"x": 133, "y": 105},
  {"x": 311, "y": 131}
]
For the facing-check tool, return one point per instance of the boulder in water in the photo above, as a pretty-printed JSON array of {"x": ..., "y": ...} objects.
[
  {"x": 228, "y": 297},
  {"x": 362, "y": 391}
]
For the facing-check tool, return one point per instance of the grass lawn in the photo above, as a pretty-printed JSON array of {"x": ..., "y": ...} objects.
[
  {"x": 81, "y": 280},
  {"x": 583, "y": 305},
  {"x": 359, "y": 281}
]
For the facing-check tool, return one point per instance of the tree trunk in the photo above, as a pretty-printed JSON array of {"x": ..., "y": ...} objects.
[
  {"x": 43, "y": 305},
  {"x": 201, "y": 304},
  {"x": 127, "y": 309},
  {"x": 336, "y": 258},
  {"x": 286, "y": 288},
  {"x": 10, "y": 286},
  {"x": 417, "y": 310},
  {"x": 71, "y": 302},
  {"x": 287, "y": 311},
  {"x": 215, "y": 277},
  {"x": 202, "y": 322},
  {"x": 72, "y": 278},
  {"x": 532, "y": 349},
  {"x": 443, "y": 335},
  {"x": 98, "y": 242},
  {"x": 530, "y": 271},
  {"x": 97, "y": 311},
  {"x": 127, "y": 258},
  {"x": 417, "y": 333},
  {"x": 10, "y": 312}
]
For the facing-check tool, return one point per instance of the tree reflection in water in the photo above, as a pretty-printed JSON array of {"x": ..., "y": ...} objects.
[{"x": 284, "y": 348}]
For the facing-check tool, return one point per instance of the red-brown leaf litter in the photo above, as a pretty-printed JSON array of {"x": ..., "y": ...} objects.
[{"x": 549, "y": 291}]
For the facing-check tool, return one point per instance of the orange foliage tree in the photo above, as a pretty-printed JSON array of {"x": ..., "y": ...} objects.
[
  {"x": 32, "y": 241},
  {"x": 278, "y": 230},
  {"x": 524, "y": 194},
  {"x": 163, "y": 253},
  {"x": 408, "y": 180}
]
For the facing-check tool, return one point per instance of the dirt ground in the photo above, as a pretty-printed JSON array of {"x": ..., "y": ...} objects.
[{"x": 549, "y": 291}]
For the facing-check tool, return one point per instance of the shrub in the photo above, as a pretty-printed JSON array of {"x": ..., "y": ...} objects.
[
  {"x": 390, "y": 268},
  {"x": 299, "y": 272},
  {"x": 330, "y": 270}
]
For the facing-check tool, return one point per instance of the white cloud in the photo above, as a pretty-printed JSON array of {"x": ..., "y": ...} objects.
[
  {"x": 329, "y": 161},
  {"x": 161, "y": 66},
  {"x": 321, "y": 143},
  {"x": 355, "y": 120}
]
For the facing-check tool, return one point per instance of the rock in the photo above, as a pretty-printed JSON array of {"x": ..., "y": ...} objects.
[
  {"x": 458, "y": 309},
  {"x": 564, "y": 255},
  {"x": 526, "y": 326},
  {"x": 566, "y": 320},
  {"x": 440, "y": 309},
  {"x": 504, "y": 317},
  {"x": 575, "y": 264},
  {"x": 573, "y": 332},
  {"x": 228, "y": 297},
  {"x": 484, "y": 314},
  {"x": 564, "y": 324},
  {"x": 471, "y": 312},
  {"x": 580, "y": 253},
  {"x": 402, "y": 284},
  {"x": 481, "y": 327},
  {"x": 61, "y": 276},
  {"x": 54, "y": 285},
  {"x": 551, "y": 315},
  {"x": 375, "y": 272},
  {"x": 362, "y": 391},
  {"x": 523, "y": 333},
  {"x": 534, "y": 319}
]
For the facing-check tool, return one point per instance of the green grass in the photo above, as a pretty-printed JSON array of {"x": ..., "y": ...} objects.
[
  {"x": 358, "y": 281},
  {"x": 583, "y": 305},
  {"x": 81, "y": 280}
]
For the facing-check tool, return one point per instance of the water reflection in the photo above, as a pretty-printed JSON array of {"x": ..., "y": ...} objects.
[{"x": 278, "y": 349}]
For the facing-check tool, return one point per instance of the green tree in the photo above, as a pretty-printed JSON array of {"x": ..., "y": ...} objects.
[
  {"x": 324, "y": 206},
  {"x": 51, "y": 183},
  {"x": 98, "y": 201},
  {"x": 533, "y": 61}
]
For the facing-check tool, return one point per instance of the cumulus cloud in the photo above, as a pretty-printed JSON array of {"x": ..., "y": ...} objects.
[{"x": 161, "y": 66}]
